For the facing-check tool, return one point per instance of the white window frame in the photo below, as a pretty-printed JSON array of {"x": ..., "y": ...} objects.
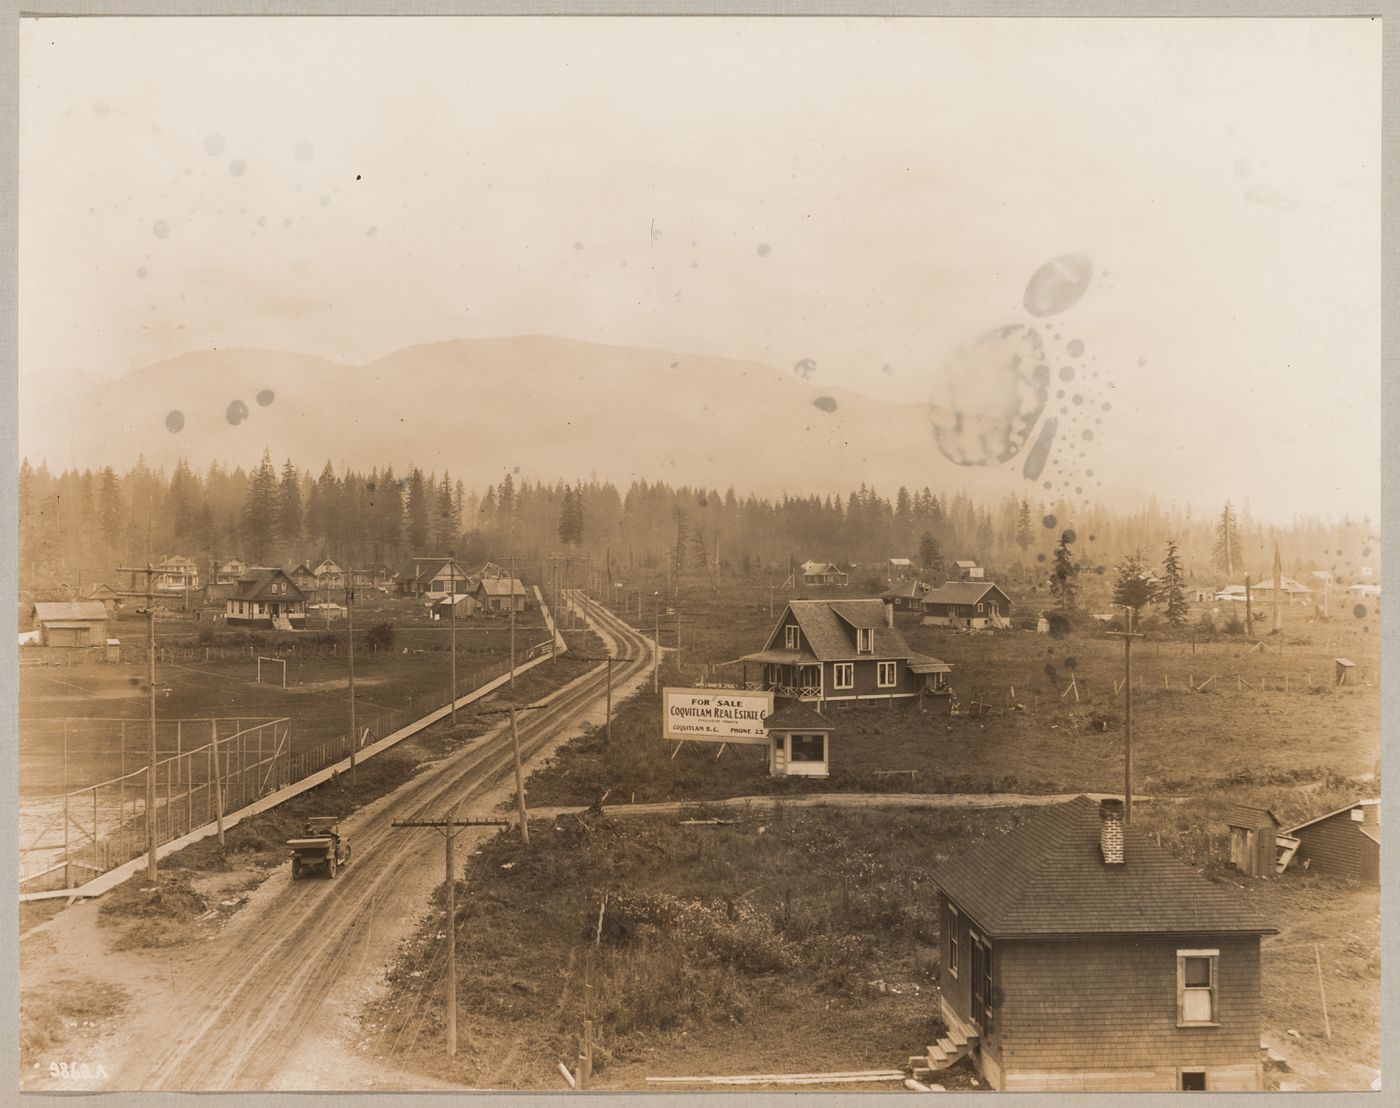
[
  {"x": 954, "y": 951},
  {"x": 865, "y": 640},
  {"x": 792, "y": 637},
  {"x": 979, "y": 605},
  {"x": 1212, "y": 991},
  {"x": 893, "y": 669},
  {"x": 846, "y": 668}
]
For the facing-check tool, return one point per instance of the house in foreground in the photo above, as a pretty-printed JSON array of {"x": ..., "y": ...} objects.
[
  {"x": 974, "y": 604},
  {"x": 1080, "y": 956},
  {"x": 1345, "y": 843},
  {"x": 844, "y": 651},
  {"x": 266, "y": 597}
]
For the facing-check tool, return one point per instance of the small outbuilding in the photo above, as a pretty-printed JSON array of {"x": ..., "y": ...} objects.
[
  {"x": 1254, "y": 848},
  {"x": 969, "y": 571},
  {"x": 799, "y": 740},
  {"x": 908, "y": 597},
  {"x": 500, "y": 594},
  {"x": 463, "y": 603},
  {"x": 1345, "y": 843},
  {"x": 70, "y": 623}
]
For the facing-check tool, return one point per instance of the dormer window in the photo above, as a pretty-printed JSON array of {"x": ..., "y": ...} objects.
[
  {"x": 792, "y": 637},
  {"x": 865, "y": 640}
]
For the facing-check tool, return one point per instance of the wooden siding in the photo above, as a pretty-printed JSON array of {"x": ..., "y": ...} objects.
[
  {"x": 1240, "y": 1077},
  {"x": 867, "y": 677},
  {"x": 1065, "y": 1007},
  {"x": 1337, "y": 846}
]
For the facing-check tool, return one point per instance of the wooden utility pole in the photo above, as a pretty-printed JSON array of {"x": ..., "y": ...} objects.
[
  {"x": 1278, "y": 589},
  {"x": 609, "y": 716},
  {"x": 1248, "y": 609},
  {"x": 452, "y": 624},
  {"x": 350, "y": 662},
  {"x": 1127, "y": 636},
  {"x": 151, "y": 752},
  {"x": 519, "y": 780},
  {"x": 448, "y": 828},
  {"x": 656, "y": 665},
  {"x": 510, "y": 588}
]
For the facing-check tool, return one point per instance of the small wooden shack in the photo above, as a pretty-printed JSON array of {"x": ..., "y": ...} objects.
[
  {"x": 71, "y": 623},
  {"x": 798, "y": 741},
  {"x": 1253, "y": 840},
  {"x": 1346, "y": 843}
]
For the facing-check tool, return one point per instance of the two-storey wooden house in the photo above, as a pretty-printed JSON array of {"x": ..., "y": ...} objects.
[
  {"x": 266, "y": 597},
  {"x": 969, "y": 604},
  {"x": 844, "y": 651},
  {"x": 1080, "y": 956}
]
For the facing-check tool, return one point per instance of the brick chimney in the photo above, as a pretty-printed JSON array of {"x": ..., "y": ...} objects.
[{"x": 1111, "y": 831}]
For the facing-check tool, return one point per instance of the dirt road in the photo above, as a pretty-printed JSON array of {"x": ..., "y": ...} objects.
[{"x": 269, "y": 1002}]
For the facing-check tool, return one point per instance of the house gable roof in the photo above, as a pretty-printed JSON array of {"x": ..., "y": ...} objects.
[
  {"x": 824, "y": 626},
  {"x": 50, "y": 611},
  {"x": 257, "y": 584},
  {"x": 501, "y": 586},
  {"x": 962, "y": 592},
  {"x": 1243, "y": 815},
  {"x": 911, "y": 590},
  {"x": 1048, "y": 877}
]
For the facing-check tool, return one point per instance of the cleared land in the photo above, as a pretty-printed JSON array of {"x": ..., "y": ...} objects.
[{"x": 791, "y": 941}]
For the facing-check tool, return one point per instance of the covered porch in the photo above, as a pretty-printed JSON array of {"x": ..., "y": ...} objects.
[
  {"x": 796, "y": 674},
  {"x": 931, "y": 674}
]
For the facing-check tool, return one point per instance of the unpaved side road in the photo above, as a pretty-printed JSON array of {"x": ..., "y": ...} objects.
[{"x": 270, "y": 1002}]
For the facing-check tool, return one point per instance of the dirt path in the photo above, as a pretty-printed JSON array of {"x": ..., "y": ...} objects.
[
  {"x": 269, "y": 1003},
  {"x": 720, "y": 808}
]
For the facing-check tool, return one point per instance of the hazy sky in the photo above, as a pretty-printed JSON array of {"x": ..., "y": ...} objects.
[{"x": 866, "y": 194}]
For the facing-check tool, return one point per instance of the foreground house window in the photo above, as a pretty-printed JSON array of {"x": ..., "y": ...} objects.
[
  {"x": 1196, "y": 987},
  {"x": 887, "y": 674},
  {"x": 952, "y": 940},
  {"x": 1193, "y": 1081},
  {"x": 866, "y": 640},
  {"x": 791, "y": 638},
  {"x": 844, "y": 675}
]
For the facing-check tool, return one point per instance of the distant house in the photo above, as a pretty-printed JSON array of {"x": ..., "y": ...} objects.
[
  {"x": 1079, "y": 956},
  {"x": 381, "y": 575},
  {"x": 490, "y": 569},
  {"x": 176, "y": 574},
  {"x": 844, "y": 651},
  {"x": 967, "y": 604},
  {"x": 302, "y": 577},
  {"x": 431, "y": 577},
  {"x": 908, "y": 597},
  {"x": 899, "y": 569},
  {"x": 228, "y": 573},
  {"x": 70, "y": 623},
  {"x": 108, "y": 597},
  {"x": 824, "y": 573},
  {"x": 1346, "y": 842},
  {"x": 969, "y": 571},
  {"x": 1263, "y": 592},
  {"x": 500, "y": 594},
  {"x": 330, "y": 577},
  {"x": 266, "y": 597}
]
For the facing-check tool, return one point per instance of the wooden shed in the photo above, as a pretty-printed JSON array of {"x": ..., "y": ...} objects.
[
  {"x": 1346, "y": 843},
  {"x": 1253, "y": 840},
  {"x": 799, "y": 741},
  {"x": 71, "y": 623}
]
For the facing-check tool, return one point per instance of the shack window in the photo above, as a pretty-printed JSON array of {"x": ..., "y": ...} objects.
[
  {"x": 979, "y": 605},
  {"x": 887, "y": 674},
  {"x": 843, "y": 675},
  {"x": 1196, "y": 986},
  {"x": 1193, "y": 1081},
  {"x": 953, "y": 940},
  {"x": 790, "y": 637},
  {"x": 808, "y": 748}
]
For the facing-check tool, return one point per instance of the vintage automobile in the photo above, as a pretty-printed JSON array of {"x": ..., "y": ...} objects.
[{"x": 321, "y": 845}]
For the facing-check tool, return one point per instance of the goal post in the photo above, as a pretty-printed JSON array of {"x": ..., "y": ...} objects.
[{"x": 272, "y": 662}]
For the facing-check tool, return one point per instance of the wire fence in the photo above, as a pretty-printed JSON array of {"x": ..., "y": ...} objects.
[{"x": 212, "y": 767}]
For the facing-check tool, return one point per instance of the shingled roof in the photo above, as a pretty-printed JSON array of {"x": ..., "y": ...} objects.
[
  {"x": 961, "y": 592},
  {"x": 50, "y": 611},
  {"x": 828, "y": 627},
  {"x": 793, "y": 715},
  {"x": 257, "y": 584},
  {"x": 1048, "y": 878}
]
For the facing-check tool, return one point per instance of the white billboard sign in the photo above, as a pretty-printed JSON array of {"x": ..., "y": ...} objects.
[{"x": 715, "y": 715}]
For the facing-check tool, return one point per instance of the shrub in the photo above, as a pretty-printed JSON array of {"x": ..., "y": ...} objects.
[{"x": 381, "y": 636}]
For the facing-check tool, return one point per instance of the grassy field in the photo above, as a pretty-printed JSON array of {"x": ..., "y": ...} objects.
[
  {"x": 1257, "y": 719},
  {"x": 416, "y": 672},
  {"x": 760, "y": 946}
]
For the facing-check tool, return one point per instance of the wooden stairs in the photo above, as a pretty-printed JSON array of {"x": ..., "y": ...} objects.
[{"x": 950, "y": 1048}]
